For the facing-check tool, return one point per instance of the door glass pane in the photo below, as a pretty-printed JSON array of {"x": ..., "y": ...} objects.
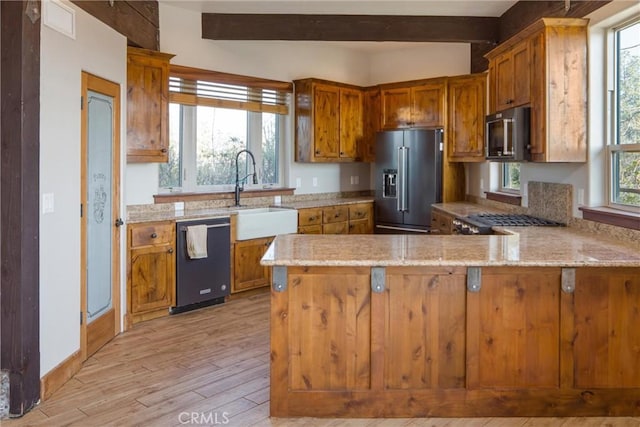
[{"x": 98, "y": 212}]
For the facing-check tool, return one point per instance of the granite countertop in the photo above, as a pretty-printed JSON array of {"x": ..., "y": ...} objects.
[
  {"x": 462, "y": 209},
  {"x": 525, "y": 246},
  {"x": 190, "y": 214},
  {"x": 321, "y": 203},
  {"x": 171, "y": 215}
]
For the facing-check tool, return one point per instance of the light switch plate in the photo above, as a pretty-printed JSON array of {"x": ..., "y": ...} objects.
[{"x": 47, "y": 203}]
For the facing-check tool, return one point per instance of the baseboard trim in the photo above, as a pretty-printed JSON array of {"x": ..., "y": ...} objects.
[{"x": 59, "y": 375}]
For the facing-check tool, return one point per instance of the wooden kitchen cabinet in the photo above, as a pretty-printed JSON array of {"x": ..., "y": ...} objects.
[
  {"x": 466, "y": 99},
  {"x": 339, "y": 219},
  {"x": 151, "y": 274},
  {"x": 371, "y": 123},
  {"x": 556, "y": 77},
  {"x": 147, "y": 105},
  {"x": 510, "y": 78},
  {"x": 417, "y": 105},
  {"x": 329, "y": 121},
  {"x": 247, "y": 271},
  {"x": 361, "y": 218},
  {"x": 441, "y": 223}
]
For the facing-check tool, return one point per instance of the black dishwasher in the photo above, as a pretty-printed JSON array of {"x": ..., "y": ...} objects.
[{"x": 204, "y": 281}]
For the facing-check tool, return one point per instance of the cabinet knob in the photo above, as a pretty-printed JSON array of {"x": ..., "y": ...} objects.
[
  {"x": 312, "y": 218},
  {"x": 154, "y": 235},
  {"x": 170, "y": 250},
  {"x": 342, "y": 153},
  {"x": 163, "y": 150}
]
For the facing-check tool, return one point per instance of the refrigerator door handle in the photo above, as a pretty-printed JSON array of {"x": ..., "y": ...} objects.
[{"x": 403, "y": 189}]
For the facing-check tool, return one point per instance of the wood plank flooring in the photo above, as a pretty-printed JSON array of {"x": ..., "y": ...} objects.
[{"x": 208, "y": 367}]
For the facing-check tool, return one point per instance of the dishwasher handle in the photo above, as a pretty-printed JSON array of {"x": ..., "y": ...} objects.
[{"x": 226, "y": 224}]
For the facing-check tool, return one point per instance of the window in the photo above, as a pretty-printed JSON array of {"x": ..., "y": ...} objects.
[
  {"x": 211, "y": 122},
  {"x": 510, "y": 177},
  {"x": 624, "y": 149}
]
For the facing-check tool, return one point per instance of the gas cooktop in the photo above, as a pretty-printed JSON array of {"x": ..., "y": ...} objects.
[{"x": 482, "y": 223}]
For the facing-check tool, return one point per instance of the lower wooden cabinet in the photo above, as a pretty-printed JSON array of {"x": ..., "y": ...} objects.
[
  {"x": 441, "y": 223},
  {"x": 340, "y": 219},
  {"x": 533, "y": 340},
  {"x": 247, "y": 271},
  {"x": 151, "y": 270}
]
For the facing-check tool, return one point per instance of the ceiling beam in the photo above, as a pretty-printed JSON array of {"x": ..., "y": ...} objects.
[
  {"x": 524, "y": 13},
  {"x": 235, "y": 26}
]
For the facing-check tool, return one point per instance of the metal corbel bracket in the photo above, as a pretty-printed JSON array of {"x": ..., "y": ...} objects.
[
  {"x": 474, "y": 279},
  {"x": 279, "y": 278},
  {"x": 378, "y": 279},
  {"x": 568, "y": 280}
]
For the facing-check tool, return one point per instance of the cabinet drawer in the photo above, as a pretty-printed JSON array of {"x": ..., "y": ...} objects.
[
  {"x": 336, "y": 228},
  {"x": 310, "y": 229},
  {"x": 336, "y": 214},
  {"x": 309, "y": 217},
  {"x": 357, "y": 212},
  {"x": 152, "y": 234}
]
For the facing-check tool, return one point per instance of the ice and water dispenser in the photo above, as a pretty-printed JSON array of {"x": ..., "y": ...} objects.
[{"x": 389, "y": 183}]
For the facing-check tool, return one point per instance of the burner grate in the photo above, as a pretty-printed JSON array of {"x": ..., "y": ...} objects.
[{"x": 513, "y": 220}]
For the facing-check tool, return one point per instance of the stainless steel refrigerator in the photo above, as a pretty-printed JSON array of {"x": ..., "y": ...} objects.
[{"x": 408, "y": 177}]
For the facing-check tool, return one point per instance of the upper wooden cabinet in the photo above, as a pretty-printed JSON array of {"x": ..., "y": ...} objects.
[
  {"x": 466, "y": 100},
  {"x": 329, "y": 121},
  {"x": 510, "y": 78},
  {"x": 371, "y": 123},
  {"x": 420, "y": 104},
  {"x": 545, "y": 65},
  {"x": 147, "y": 105}
]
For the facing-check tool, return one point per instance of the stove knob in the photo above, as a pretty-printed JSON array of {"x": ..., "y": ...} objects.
[{"x": 474, "y": 230}]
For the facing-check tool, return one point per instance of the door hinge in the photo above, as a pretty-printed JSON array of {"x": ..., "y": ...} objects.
[
  {"x": 82, "y": 102},
  {"x": 81, "y": 318},
  {"x": 81, "y": 210}
]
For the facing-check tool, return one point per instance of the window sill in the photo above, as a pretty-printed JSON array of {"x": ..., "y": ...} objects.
[
  {"x": 220, "y": 195},
  {"x": 612, "y": 216},
  {"x": 511, "y": 199}
]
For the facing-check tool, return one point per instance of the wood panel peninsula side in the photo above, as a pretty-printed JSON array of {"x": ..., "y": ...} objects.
[{"x": 542, "y": 322}]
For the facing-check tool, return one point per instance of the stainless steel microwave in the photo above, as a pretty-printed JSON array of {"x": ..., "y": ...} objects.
[{"x": 507, "y": 135}]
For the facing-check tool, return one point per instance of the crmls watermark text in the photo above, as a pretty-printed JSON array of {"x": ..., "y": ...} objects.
[{"x": 203, "y": 418}]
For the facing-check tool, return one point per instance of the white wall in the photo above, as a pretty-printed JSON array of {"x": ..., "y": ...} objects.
[
  {"x": 589, "y": 177},
  {"x": 180, "y": 34},
  {"x": 100, "y": 51}
]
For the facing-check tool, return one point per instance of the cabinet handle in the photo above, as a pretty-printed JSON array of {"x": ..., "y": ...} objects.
[
  {"x": 170, "y": 250},
  {"x": 154, "y": 235},
  {"x": 342, "y": 153},
  {"x": 337, "y": 215},
  {"x": 312, "y": 218},
  {"x": 317, "y": 152},
  {"x": 163, "y": 150}
]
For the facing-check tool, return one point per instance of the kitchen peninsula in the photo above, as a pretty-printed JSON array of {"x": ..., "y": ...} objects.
[{"x": 539, "y": 322}]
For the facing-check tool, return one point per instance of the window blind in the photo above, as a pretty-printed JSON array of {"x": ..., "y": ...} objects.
[{"x": 193, "y": 86}]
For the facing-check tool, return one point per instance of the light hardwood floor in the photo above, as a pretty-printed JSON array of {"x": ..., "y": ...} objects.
[{"x": 213, "y": 362}]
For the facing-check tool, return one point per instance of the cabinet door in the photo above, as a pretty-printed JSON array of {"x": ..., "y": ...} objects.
[
  {"x": 336, "y": 228},
  {"x": 152, "y": 280},
  {"x": 513, "y": 329},
  {"x": 427, "y": 104},
  {"x": 247, "y": 271},
  {"x": 466, "y": 103},
  {"x": 396, "y": 107},
  {"x": 147, "y": 106},
  {"x": 603, "y": 328},
  {"x": 351, "y": 133},
  {"x": 521, "y": 94},
  {"x": 372, "y": 124},
  {"x": 326, "y": 121}
]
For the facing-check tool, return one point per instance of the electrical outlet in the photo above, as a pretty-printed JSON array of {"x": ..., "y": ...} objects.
[
  {"x": 314, "y": 181},
  {"x": 298, "y": 182},
  {"x": 356, "y": 180},
  {"x": 277, "y": 200},
  {"x": 581, "y": 196},
  {"x": 179, "y": 206}
]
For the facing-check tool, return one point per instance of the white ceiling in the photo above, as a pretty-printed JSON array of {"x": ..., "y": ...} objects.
[
  {"x": 493, "y": 8},
  {"x": 351, "y": 7}
]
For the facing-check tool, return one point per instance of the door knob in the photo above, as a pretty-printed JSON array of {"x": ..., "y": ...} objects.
[
  {"x": 154, "y": 235},
  {"x": 119, "y": 222},
  {"x": 170, "y": 250}
]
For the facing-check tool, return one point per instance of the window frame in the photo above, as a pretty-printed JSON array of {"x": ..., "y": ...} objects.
[
  {"x": 188, "y": 157},
  {"x": 502, "y": 187},
  {"x": 613, "y": 146}
]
